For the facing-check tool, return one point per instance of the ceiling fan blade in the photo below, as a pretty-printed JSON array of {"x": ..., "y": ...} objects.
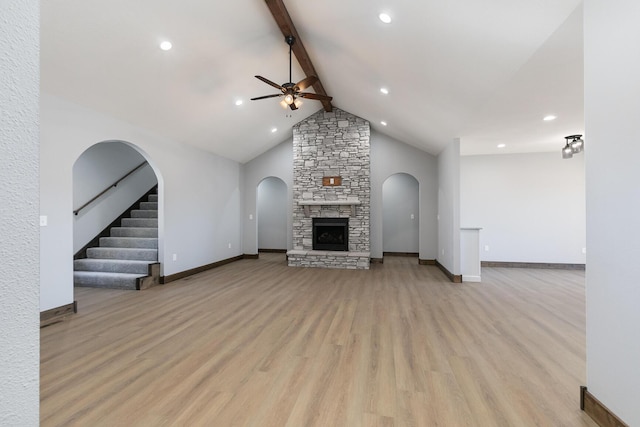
[
  {"x": 267, "y": 96},
  {"x": 306, "y": 82},
  {"x": 314, "y": 96},
  {"x": 270, "y": 83}
]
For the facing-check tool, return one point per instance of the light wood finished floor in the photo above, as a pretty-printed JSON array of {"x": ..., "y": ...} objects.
[{"x": 257, "y": 343}]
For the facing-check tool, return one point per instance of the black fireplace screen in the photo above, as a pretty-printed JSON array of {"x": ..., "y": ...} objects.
[{"x": 331, "y": 234}]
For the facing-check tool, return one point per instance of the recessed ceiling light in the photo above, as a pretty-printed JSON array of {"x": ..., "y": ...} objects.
[
  {"x": 166, "y": 45},
  {"x": 502, "y": 145},
  {"x": 384, "y": 17},
  {"x": 239, "y": 102},
  {"x": 274, "y": 130},
  {"x": 549, "y": 118},
  {"x": 383, "y": 123},
  {"x": 384, "y": 90}
]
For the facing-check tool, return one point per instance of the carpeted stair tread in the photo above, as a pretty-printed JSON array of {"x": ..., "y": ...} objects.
[
  {"x": 105, "y": 280},
  {"x": 149, "y": 205},
  {"x": 112, "y": 266},
  {"x": 139, "y": 222},
  {"x": 144, "y": 213},
  {"x": 123, "y": 253},
  {"x": 129, "y": 242},
  {"x": 126, "y": 255},
  {"x": 134, "y": 232}
]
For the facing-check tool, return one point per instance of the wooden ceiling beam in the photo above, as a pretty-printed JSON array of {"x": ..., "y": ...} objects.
[{"x": 284, "y": 22}]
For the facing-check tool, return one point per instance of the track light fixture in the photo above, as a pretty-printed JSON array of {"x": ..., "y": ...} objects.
[{"x": 574, "y": 145}]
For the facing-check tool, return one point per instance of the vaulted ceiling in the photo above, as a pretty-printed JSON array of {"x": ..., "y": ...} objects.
[{"x": 485, "y": 71}]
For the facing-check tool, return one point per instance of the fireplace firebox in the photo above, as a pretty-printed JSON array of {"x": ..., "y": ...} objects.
[{"x": 330, "y": 234}]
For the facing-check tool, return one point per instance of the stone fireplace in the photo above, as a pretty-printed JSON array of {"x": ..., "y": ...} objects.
[{"x": 331, "y": 185}]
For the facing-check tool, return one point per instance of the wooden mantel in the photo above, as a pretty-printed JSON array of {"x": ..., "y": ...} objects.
[{"x": 349, "y": 202}]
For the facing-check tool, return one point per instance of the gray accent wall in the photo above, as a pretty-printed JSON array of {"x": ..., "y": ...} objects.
[
  {"x": 277, "y": 162},
  {"x": 272, "y": 213},
  {"x": 19, "y": 246},
  {"x": 401, "y": 214},
  {"x": 389, "y": 157}
]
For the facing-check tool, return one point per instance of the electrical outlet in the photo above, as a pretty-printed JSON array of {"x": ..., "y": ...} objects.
[
  {"x": 413, "y": 216},
  {"x": 250, "y": 217},
  {"x": 584, "y": 250},
  {"x": 443, "y": 252},
  {"x": 43, "y": 220}
]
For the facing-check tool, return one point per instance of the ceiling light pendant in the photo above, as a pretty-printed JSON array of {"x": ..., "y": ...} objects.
[
  {"x": 574, "y": 145},
  {"x": 567, "y": 152},
  {"x": 577, "y": 145}
]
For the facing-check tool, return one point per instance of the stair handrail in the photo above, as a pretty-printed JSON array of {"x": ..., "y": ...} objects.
[{"x": 115, "y": 184}]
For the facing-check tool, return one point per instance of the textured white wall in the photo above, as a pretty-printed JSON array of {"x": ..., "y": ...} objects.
[
  {"x": 272, "y": 214},
  {"x": 199, "y": 195},
  {"x": 19, "y": 335},
  {"x": 531, "y": 207},
  {"x": 400, "y": 201},
  {"x": 612, "y": 150},
  {"x": 449, "y": 207}
]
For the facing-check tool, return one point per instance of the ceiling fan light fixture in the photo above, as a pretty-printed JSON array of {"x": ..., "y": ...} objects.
[
  {"x": 166, "y": 45},
  {"x": 288, "y": 99}
]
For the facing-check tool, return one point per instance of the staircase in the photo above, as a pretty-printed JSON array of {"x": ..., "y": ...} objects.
[{"x": 128, "y": 259}]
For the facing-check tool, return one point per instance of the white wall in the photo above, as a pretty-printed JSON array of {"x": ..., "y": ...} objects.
[
  {"x": 272, "y": 212},
  {"x": 199, "y": 195},
  {"x": 531, "y": 207},
  {"x": 19, "y": 335},
  {"x": 277, "y": 162},
  {"x": 389, "y": 157},
  {"x": 449, "y": 207},
  {"x": 95, "y": 170},
  {"x": 401, "y": 214},
  {"x": 612, "y": 150}
]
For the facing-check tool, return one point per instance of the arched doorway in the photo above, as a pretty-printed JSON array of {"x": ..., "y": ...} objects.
[
  {"x": 400, "y": 215},
  {"x": 271, "y": 208},
  {"x": 110, "y": 179}
]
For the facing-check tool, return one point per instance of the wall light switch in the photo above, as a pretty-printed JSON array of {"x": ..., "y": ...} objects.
[
  {"x": 229, "y": 245},
  {"x": 584, "y": 250},
  {"x": 175, "y": 257},
  {"x": 43, "y": 220},
  {"x": 486, "y": 248}
]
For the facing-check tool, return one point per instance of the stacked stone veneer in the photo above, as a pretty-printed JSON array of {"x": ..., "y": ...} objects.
[{"x": 331, "y": 144}]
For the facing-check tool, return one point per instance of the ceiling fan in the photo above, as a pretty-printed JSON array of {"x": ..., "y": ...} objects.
[{"x": 292, "y": 91}]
